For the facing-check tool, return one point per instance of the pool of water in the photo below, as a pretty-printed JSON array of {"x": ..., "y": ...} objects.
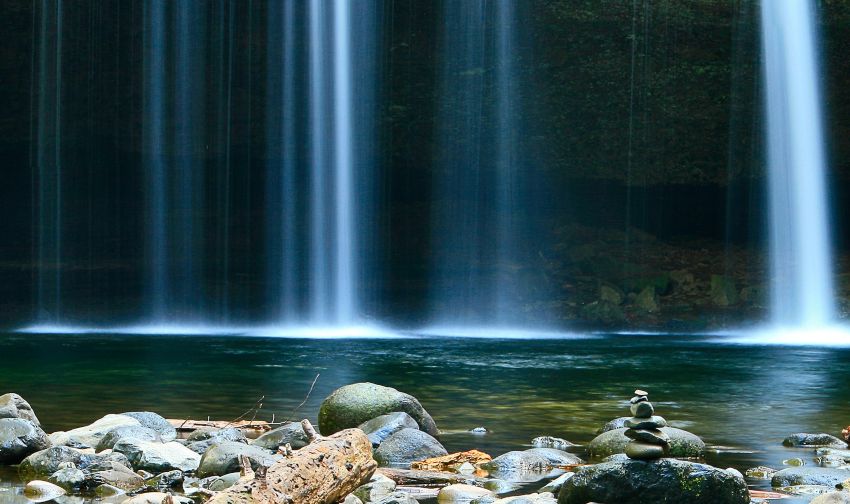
[{"x": 742, "y": 400}]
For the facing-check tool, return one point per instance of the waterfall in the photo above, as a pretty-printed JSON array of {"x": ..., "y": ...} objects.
[{"x": 800, "y": 245}]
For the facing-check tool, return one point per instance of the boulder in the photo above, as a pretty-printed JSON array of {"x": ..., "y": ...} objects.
[
  {"x": 117, "y": 476},
  {"x": 223, "y": 458},
  {"x": 556, "y": 457},
  {"x": 809, "y": 476},
  {"x": 201, "y": 442},
  {"x": 69, "y": 478},
  {"x": 20, "y": 437},
  {"x": 351, "y": 405},
  {"x": 407, "y": 446},
  {"x": 158, "y": 457},
  {"x": 814, "y": 440},
  {"x": 462, "y": 494},
  {"x": 46, "y": 462},
  {"x": 42, "y": 491},
  {"x": 14, "y": 406},
  {"x": 91, "y": 435},
  {"x": 290, "y": 433},
  {"x": 154, "y": 422},
  {"x": 666, "y": 480},
  {"x": 380, "y": 428},
  {"x": 525, "y": 461},
  {"x": 682, "y": 443},
  {"x": 617, "y": 423},
  {"x": 133, "y": 432},
  {"x": 396, "y": 498}
]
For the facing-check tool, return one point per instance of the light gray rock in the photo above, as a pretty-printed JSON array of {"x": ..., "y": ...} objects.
[
  {"x": 556, "y": 457},
  {"x": 154, "y": 422},
  {"x": 379, "y": 486},
  {"x": 157, "y": 457},
  {"x": 214, "y": 437},
  {"x": 397, "y": 498},
  {"x": 69, "y": 478},
  {"x": 133, "y": 432},
  {"x": 809, "y": 476},
  {"x": 20, "y": 437},
  {"x": 14, "y": 406},
  {"x": 462, "y": 494},
  {"x": 351, "y": 405},
  {"x": 814, "y": 440},
  {"x": 407, "y": 446},
  {"x": 520, "y": 466},
  {"x": 380, "y": 428},
  {"x": 223, "y": 458},
  {"x": 551, "y": 442},
  {"x": 42, "y": 464},
  {"x": 42, "y": 491},
  {"x": 291, "y": 433},
  {"x": 90, "y": 435}
]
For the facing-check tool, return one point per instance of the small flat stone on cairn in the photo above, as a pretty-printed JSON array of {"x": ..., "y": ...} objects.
[{"x": 647, "y": 441}]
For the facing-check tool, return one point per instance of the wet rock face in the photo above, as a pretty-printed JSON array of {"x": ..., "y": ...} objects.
[
  {"x": 664, "y": 480},
  {"x": 18, "y": 438},
  {"x": 814, "y": 440},
  {"x": 351, "y": 405}
]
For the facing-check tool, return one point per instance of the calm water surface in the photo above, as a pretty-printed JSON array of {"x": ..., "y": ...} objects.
[{"x": 742, "y": 400}]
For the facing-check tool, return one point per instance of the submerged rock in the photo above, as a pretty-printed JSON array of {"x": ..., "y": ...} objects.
[
  {"x": 154, "y": 422},
  {"x": 351, "y": 405},
  {"x": 664, "y": 480},
  {"x": 407, "y": 446},
  {"x": 380, "y": 428},
  {"x": 291, "y": 433},
  {"x": 92, "y": 434},
  {"x": 682, "y": 443},
  {"x": 814, "y": 440},
  {"x": 809, "y": 476},
  {"x": 14, "y": 406},
  {"x": 223, "y": 458},
  {"x": 20, "y": 437}
]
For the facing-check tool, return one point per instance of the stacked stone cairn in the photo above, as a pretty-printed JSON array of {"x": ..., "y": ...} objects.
[{"x": 648, "y": 442}]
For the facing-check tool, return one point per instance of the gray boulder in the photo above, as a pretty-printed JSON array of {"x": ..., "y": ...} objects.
[
  {"x": 20, "y": 437},
  {"x": 556, "y": 457},
  {"x": 380, "y": 428},
  {"x": 291, "y": 433},
  {"x": 519, "y": 466},
  {"x": 134, "y": 432},
  {"x": 202, "y": 442},
  {"x": 14, "y": 406},
  {"x": 407, "y": 446},
  {"x": 462, "y": 494},
  {"x": 666, "y": 480},
  {"x": 117, "y": 476},
  {"x": 223, "y": 458},
  {"x": 155, "y": 422},
  {"x": 351, "y": 405},
  {"x": 157, "y": 457},
  {"x": 617, "y": 423},
  {"x": 814, "y": 440},
  {"x": 69, "y": 478},
  {"x": 90, "y": 435},
  {"x": 682, "y": 443},
  {"x": 46, "y": 462},
  {"x": 809, "y": 476}
]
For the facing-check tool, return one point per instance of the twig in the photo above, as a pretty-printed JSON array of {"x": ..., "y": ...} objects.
[
  {"x": 255, "y": 408},
  {"x": 312, "y": 385}
]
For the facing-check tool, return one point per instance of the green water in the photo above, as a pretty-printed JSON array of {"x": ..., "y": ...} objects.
[{"x": 742, "y": 400}]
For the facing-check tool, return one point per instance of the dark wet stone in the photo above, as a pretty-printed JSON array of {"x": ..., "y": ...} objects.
[
  {"x": 651, "y": 436},
  {"x": 814, "y": 440},
  {"x": 407, "y": 446},
  {"x": 213, "y": 437},
  {"x": 380, "y": 428},
  {"x": 666, "y": 480},
  {"x": 291, "y": 433},
  {"x": 809, "y": 476},
  {"x": 20, "y": 437},
  {"x": 653, "y": 422},
  {"x": 642, "y": 409},
  {"x": 644, "y": 451},
  {"x": 351, "y": 405}
]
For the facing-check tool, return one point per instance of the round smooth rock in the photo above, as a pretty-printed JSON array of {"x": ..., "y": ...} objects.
[
  {"x": 20, "y": 437},
  {"x": 809, "y": 476},
  {"x": 380, "y": 428},
  {"x": 640, "y": 392},
  {"x": 651, "y": 436},
  {"x": 291, "y": 433},
  {"x": 351, "y": 405},
  {"x": 642, "y": 409},
  {"x": 814, "y": 440},
  {"x": 407, "y": 446},
  {"x": 42, "y": 491},
  {"x": 461, "y": 494},
  {"x": 682, "y": 443},
  {"x": 644, "y": 451},
  {"x": 155, "y": 422},
  {"x": 653, "y": 422},
  {"x": 14, "y": 406}
]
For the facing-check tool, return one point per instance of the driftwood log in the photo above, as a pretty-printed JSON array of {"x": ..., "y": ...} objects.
[{"x": 323, "y": 472}]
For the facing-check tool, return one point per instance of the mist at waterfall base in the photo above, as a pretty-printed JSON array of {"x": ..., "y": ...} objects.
[{"x": 277, "y": 171}]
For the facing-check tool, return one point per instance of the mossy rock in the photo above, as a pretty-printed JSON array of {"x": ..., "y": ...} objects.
[
  {"x": 349, "y": 406},
  {"x": 666, "y": 480},
  {"x": 682, "y": 443}
]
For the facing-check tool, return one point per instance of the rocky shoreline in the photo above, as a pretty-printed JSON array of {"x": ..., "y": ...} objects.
[{"x": 378, "y": 445}]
